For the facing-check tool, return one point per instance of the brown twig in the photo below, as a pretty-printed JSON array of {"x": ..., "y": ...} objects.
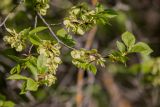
[
  {"x": 89, "y": 41},
  {"x": 79, "y": 96},
  {"x": 94, "y": 2}
]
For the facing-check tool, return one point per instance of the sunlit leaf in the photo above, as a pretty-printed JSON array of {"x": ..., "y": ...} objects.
[
  {"x": 129, "y": 39},
  {"x": 92, "y": 68},
  {"x": 37, "y": 29},
  {"x": 121, "y": 46},
  {"x": 17, "y": 77},
  {"x": 17, "y": 59},
  {"x": 65, "y": 37},
  {"x": 15, "y": 69},
  {"x": 31, "y": 85},
  {"x": 142, "y": 48},
  {"x": 34, "y": 39},
  {"x": 41, "y": 61},
  {"x": 32, "y": 68}
]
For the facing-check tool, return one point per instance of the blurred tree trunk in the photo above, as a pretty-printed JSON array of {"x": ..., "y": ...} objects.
[{"x": 117, "y": 100}]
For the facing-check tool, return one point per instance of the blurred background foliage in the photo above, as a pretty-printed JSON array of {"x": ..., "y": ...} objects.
[{"x": 134, "y": 85}]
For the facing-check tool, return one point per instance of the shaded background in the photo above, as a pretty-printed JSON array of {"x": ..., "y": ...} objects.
[{"x": 136, "y": 85}]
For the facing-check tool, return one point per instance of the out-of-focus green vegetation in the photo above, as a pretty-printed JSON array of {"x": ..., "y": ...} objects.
[{"x": 134, "y": 84}]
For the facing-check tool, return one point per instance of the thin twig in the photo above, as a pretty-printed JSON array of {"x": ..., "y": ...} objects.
[
  {"x": 30, "y": 49},
  {"x": 67, "y": 45},
  {"x": 56, "y": 24},
  {"x": 35, "y": 21},
  {"x": 35, "y": 25},
  {"x": 50, "y": 29},
  {"x": 53, "y": 34},
  {"x": 5, "y": 27},
  {"x": 6, "y": 18}
]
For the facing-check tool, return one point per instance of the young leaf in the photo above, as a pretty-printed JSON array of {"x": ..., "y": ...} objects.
[
  {"x": 17, "y": 77},
  {"x": 121, "y": 46},
  {"x": 61, "y": 32},
  {"x": 17, "y": 59},
  {"x": 15, "y": 69},
  {"x": 65, "y": 37},
  {"x": 41, "y": 61},
  {"x": 23, "y": 88},
  {"x": 34, "y": 39},
  {"x": 31, "y": 85},
  {"x": 99, "y": 7},
  {"x": 32, "y": 68},
  {"x": 110, "y": 13},
  {"x": 129, "y": 39},
  {"x": 80, "y": 31},
  {"x": 92, "y": 68},
  {"x": 37, "y": 29},
  {"x": 25, "y": 32},
  {"x": 142, "y": 48},
  {"x": 118, "y": 56}
]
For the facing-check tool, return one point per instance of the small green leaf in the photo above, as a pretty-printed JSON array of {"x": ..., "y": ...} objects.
[
  {"x": 92, "y": 68},
  {"x": 65, "y": 37},
  {"x": 110, "y": 13},
  {"x": 121, "y": 46},
  {"x": 15, "y": 69},
  {"x": 18, "y": 68},
  {"x": 31, "y": 85},
  {"x": 17, "y": 77},
  {"x": 61, "y": 32},
  {"x": 142, "y": 48},
  {"x": 123, "y": 59},
  {"x": 41, "y": 61},
  {"x": 32, "y": 68},
  {"x": 118, "y": 56},
  {"x": 34, "y": 39},
  {"x": 129, "y": 39},
  {"x": 23, "y": 89},
  {"x": 17, "y": 59},
  {"x": 99, "y": 7},
  {"x": 37, "y": 29},
  {"x": 25, "y": 32},
  {"x": 80, "y": 31}
]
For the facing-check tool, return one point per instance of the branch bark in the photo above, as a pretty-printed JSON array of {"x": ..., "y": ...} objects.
[{"x": 80, "y": 81}]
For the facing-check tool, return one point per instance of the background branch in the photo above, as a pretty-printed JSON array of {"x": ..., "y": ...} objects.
[
  {"x": 6, "y": 18},
  {"x": 80, "y": 75}
]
